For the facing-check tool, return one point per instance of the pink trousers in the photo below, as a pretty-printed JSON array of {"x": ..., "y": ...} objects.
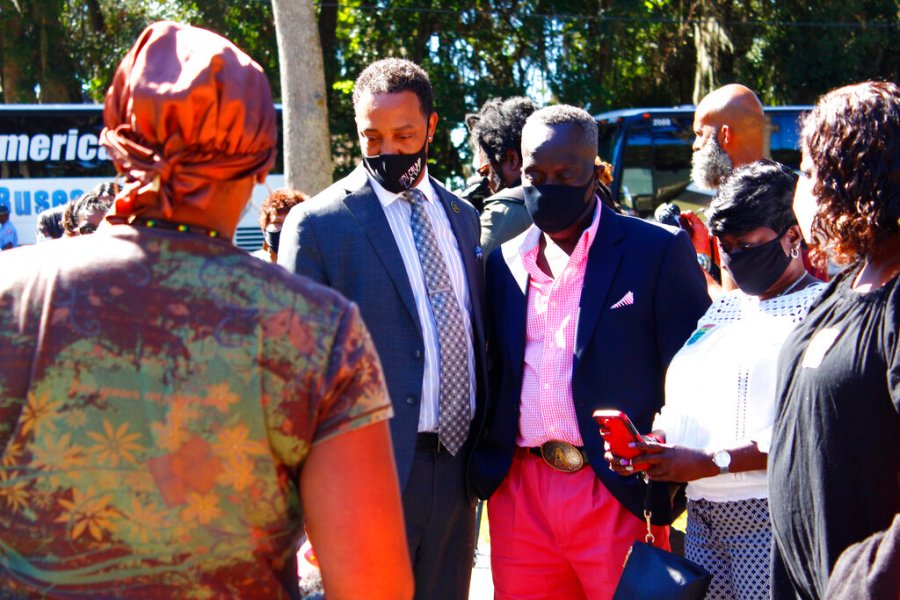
[{"x": 559, "y": 535}]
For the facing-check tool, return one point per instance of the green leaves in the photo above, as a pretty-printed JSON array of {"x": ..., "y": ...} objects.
[{"x": 599, "y": 54}]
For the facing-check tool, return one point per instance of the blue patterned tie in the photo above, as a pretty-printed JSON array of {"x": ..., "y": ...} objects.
[{"x": 455, "y": 412}]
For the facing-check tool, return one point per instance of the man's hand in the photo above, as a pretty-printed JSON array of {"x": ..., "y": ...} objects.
[{"x": 696, "y": 228}]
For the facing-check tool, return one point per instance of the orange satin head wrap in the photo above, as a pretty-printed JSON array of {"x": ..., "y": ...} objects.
[{"x": 186, "y": 108}]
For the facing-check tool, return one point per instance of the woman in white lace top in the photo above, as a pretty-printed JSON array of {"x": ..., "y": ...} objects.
[{"x": 720, "y": 387}]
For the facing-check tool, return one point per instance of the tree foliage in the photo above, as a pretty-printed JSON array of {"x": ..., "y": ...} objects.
[{"x": 600, "y": 54}]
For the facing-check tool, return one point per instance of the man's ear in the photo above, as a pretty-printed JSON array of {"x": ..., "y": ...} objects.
[
  {"x": 513, "y": 159},
  {"x": 726, "y": 138},
  {"x": 432, "y": 125}
]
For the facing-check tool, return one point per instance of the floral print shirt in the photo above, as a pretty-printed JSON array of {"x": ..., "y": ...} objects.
[{"x": 159, "y": 392}]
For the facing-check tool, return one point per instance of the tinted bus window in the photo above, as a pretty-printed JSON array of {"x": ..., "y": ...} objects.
[
  {"x": 784, "y": 140},
  {"x": 50, "y": 154},
  {"x": 606, "y": 147}
]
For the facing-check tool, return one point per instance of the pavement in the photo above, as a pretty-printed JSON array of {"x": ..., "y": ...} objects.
[{"x": 482, "y": 587}]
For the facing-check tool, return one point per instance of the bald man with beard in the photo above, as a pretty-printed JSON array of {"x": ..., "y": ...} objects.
[{"x": 730, "y": 130}]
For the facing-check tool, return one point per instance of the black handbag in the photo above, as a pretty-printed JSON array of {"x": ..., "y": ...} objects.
[{"x": 654, "y": 574}]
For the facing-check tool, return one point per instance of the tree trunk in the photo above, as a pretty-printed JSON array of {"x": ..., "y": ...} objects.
[
  {"x": 34, "y": 52},
  {"x": 306, "y": 138},
  {"x": 56, "y": 70},
  {"x": 328, "y": 38},
  {"x": 17, "y": 57}
]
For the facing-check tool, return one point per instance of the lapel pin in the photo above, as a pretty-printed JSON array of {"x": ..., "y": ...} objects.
[{"x": 454, "y": 206}]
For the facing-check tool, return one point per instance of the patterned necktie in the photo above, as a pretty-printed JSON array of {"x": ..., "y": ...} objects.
[{"x": 455, "y": 412}]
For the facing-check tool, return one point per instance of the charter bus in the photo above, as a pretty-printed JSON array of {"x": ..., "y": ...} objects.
[
  {"x": 650, "y": 150},
  {"x": 50, "y": 154}
]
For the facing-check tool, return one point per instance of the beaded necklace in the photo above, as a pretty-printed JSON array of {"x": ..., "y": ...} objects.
[{"x": 171, "y": 226}]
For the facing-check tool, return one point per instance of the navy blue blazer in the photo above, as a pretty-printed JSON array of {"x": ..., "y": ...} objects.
[
  {"x": 341, "y": 238},
  {"x": 622, "y": 350}
]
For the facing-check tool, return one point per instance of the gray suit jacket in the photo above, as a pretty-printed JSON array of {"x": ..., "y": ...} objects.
[{"x": 342, "y": 238}]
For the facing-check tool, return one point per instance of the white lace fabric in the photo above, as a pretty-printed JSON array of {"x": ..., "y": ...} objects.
[{"x": 720, "y": 387}]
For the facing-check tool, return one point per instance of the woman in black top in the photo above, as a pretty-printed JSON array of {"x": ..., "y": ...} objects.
[{"x": 835, "y": 456}]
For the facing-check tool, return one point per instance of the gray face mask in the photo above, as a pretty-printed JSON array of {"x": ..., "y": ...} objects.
[{"x": 710, "y": 164}]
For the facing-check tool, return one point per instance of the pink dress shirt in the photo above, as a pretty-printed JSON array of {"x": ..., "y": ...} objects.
[{"x": 547, "y": 410}]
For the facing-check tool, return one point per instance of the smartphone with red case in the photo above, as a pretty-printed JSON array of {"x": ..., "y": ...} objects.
[{"x": 618, "y": 431}]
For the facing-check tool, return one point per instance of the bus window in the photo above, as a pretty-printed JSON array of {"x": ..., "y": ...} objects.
[
  {"x": 656, "y": 163},
  {"x": 672, "y": 139},
  {"x": 607, "y": 144},
  {"x": 785, "y": 138},
  {"x": 637, "y": 169}
]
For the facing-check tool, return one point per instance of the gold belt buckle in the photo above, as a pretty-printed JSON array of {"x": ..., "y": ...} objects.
[{"x": 562, "y": 456}]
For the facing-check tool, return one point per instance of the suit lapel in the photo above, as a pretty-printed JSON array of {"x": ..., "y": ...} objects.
[
  {"x": 516, "y": 267},
  {"x": 369, "y": 214},
  {"x": 514, "y": 302},
  {"x": 603, "y": 262}
]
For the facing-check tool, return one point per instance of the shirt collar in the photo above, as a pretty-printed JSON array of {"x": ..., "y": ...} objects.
[
  {"x": 533, "y": 234},
  {"x": 387, "y": 198}
]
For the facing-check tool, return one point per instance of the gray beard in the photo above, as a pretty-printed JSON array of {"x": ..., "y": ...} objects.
[{"x": 710, "y": 164}]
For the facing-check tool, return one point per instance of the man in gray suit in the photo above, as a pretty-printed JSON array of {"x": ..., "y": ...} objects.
[{"x": 405, "y": 250}]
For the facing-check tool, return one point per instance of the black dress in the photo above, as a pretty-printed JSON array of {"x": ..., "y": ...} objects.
[{"x": 834, "y": 464}]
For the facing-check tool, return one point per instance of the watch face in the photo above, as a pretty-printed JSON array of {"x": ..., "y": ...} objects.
[{"x": 722, "y": 458}]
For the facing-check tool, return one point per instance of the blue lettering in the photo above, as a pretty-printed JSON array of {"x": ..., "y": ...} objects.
[
  {"x": 59, "y": 198},
  {"x": 4, "y": 196},
  {"x": 23, "y": 202},
  {"x": 75, "y": 194},
  {"x": 41, "y": 200}
]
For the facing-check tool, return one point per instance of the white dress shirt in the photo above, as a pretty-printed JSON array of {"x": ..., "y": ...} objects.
[{"x": 398, "y": 214}]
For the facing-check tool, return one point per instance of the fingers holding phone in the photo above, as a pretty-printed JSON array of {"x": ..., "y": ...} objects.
[
  {"x": 622, "y": 441},
  {"x": 625, "y": 465}
]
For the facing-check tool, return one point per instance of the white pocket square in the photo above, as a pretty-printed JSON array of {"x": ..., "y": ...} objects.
[{"x": 626, "y": 300}]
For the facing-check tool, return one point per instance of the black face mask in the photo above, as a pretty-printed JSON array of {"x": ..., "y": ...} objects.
[
  {"x": 756, "y": 269},
  {"x": 272, "y": 238},
  {"x": 396, "y": 172},
  {"x": 555, "y": 208}
]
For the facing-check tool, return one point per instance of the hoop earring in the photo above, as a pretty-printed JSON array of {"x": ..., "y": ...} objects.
[{"x": 795, "y": 252}]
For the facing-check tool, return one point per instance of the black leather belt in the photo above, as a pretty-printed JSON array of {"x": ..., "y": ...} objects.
[
  {"x": 428, "y": 441},
  {"x": 562, "y": 456}
]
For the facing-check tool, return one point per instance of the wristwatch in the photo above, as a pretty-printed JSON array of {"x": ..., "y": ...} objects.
[
  {"x": 722, "y": 459},
  {"x": 705, "y": 262}
]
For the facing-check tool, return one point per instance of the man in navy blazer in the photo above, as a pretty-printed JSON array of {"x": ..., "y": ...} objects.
[
  {"x": 585, "y": 311},
  {"x": 356, "y": 237}
]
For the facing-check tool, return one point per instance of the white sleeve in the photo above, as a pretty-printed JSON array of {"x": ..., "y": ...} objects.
[{"x": 763, "y": 440}]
